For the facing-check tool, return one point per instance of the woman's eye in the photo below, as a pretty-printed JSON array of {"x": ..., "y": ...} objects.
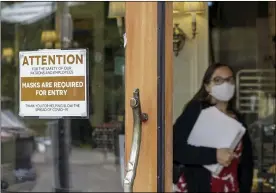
[
  {"x": 218, "y": 80},
  {"x": 232, "y": 80}
]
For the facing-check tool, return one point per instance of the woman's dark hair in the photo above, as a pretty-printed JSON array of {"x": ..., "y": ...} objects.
[{"x": 202, "y": 94}]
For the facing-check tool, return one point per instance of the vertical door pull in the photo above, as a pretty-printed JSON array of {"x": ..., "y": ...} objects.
[{"x": 138, "y": 118}]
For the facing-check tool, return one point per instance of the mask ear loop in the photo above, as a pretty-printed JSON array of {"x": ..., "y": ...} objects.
[{"x": 209, "y": 98}]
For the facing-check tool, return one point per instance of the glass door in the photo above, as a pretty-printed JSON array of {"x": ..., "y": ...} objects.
[
  {"x": 92, "y": 155},
  {"x": 149, "y": 70},
  {"x": 240, "y": 35}
]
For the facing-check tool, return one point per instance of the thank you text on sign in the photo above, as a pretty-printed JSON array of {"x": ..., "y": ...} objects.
[{"x": 53, "y": 83}]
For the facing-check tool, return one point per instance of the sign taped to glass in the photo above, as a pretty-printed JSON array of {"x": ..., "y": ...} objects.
[{"x": 53, "y": 83}]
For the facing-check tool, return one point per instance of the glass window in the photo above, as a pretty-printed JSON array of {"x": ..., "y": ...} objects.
[
  {"x": 242, "y": 36},
  {"x": 95, "y": 143}
]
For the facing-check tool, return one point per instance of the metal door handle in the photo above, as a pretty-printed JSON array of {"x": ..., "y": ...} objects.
[{"x": 138, "y": 118}]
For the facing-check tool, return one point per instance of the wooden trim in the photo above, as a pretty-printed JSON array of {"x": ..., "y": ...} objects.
[
  {"x": 169, "y": 97},
  {"x": 141, "y": 72}
]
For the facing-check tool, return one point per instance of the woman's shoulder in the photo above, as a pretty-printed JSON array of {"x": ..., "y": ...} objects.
[
  {"x": 189, "y": 114},
  {"x": 197, "y": 105},
  {"x": 194, "y": 107}
]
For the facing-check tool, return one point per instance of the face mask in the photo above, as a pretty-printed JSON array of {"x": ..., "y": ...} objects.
[{"x": 223, "y": 92}]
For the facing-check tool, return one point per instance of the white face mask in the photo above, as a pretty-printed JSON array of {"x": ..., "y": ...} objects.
[{"x": 223, "y": 92}]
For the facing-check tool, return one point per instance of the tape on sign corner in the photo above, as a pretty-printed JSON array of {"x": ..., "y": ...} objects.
[
  {"x": 84, "y": 114},
  {"x": 49, "y": 117},
  {"x": 48, "y": 49}
]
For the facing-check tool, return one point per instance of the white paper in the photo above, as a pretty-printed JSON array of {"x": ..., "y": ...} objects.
[{"x": 217, "y": 130}]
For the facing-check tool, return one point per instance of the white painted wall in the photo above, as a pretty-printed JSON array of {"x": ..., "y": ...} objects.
[
  {"x": 236, "y": 46},
  {"x": 192, "y": 61}
]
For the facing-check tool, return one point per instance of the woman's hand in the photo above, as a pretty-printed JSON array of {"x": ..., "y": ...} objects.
[{"x": 225, "y": 156}]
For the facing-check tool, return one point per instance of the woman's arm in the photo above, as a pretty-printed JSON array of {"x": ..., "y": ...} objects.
[
  {"x": 246, "y": 165},
  {"x": 184, "y": 153}
]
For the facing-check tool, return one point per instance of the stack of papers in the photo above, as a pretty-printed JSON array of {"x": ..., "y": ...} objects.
[{"x": 215, "y": 129}]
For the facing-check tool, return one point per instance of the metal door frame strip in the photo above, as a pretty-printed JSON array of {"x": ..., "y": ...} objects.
[{"x": 161, "y": 51}]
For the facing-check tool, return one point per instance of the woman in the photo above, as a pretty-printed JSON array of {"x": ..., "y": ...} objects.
[{"x": 217, "y": 89}]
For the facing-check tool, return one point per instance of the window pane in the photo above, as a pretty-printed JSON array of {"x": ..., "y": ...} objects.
[
  {"x": 28, "y": 144},
  {"x": 242, "y": 36}
]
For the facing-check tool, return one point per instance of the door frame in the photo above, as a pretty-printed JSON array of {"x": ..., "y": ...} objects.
[{"x": 149, "y": 67}]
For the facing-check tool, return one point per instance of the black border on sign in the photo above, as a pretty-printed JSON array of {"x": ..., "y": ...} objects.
[
  {"x": 86, "y": 87},
  {"x": 161, "y": 62}
]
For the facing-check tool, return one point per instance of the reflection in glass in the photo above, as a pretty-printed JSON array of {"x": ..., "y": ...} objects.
[
  {"x": 244, "y": 40},
  {"x": 27, "y": 144},
  {"x": 239, "y": 40}
]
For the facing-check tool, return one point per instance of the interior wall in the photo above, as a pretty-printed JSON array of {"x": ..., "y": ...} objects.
[
  {"x": 192, "y": 61},
  {"x": 235, "y": 35},
  {"x": 235, "y": 46},
  {"x": 242, "y": 38}
]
